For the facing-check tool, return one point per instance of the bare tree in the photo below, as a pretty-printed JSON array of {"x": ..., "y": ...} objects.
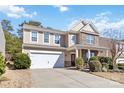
[{"x": 116, "y": 45}]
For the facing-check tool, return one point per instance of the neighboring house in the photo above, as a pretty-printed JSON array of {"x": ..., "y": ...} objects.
[
  {"x": 2, "y": 41},
  {"x": 120, "y": 59},
  {"x": 106, "y": 42},
  {"x": 50, "y": 48}
]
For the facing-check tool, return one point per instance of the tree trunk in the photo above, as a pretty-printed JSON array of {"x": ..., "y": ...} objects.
[{"x": 115, "y": 67}]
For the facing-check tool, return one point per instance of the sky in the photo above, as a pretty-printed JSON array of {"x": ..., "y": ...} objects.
[{"x": 63, "y": 17}]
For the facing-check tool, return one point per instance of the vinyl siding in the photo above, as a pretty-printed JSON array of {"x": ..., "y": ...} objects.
[{"x": 40, "y": 38}]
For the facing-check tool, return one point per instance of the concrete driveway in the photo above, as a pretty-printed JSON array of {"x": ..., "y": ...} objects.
[{"x": 63, "y": 78}]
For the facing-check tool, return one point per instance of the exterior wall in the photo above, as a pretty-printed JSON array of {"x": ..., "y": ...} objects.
[
  {"x": 64, "y": 41},
  {"x": 2, "y": 41},
  {"x": 82, "y": 39},
  {"x": 69, "y": 40},
  {"x": 105, "y": 53},
  {"x": 102, "y": 53},
  {"x": 97, "y": 40},
  {"x": 79, "y": 38},
  {"x": 26, "y": 36},
  {"x": 67, "y": 59},
  {"x": 104, "y": 42},
  {"x": 40, "y": 38},
  {"x": 51, "y": 40}
]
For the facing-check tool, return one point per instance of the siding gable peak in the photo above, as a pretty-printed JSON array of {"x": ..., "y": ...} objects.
[
  {"x": 89, "y": 28},
  {"x": 84, "y": 26}
]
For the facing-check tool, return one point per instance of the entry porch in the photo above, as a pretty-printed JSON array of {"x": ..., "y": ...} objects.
[{"x": 83, "y": 52}]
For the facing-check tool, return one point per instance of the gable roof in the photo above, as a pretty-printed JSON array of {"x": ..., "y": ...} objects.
[
  {"x": 84, "y": 26},
  {"x": 42, "y": 29}
]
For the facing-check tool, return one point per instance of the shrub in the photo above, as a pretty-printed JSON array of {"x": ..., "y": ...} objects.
[
  {"x": 95, "y": 65},
  {"x": 21, "y": 61},
  {"x": 121, "y": 66},
  {"x": 107, "y": 60},
  {"x": 2, "y": 65},
  {"x": 105, "y": 67},
  {"x": 110, "y": 66},
  {"x": 94, "y": 58},
  {"x": 79, "y": 63}
]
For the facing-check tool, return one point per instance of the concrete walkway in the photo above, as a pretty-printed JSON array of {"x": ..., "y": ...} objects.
[{"x": 63, "y": 78}]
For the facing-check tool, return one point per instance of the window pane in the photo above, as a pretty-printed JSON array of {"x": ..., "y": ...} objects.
[
  {"x": 90, "y": 39},
  {"x": 57, "y": 39},
  {"x": 46, "y": 37},
  {"x": 34, "y": 36},
  {"x": 73, "y": 39}
]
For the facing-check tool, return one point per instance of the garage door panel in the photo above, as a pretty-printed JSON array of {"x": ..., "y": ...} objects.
[
  {"x": 59, "y": 61},
  {"x": 47, "y": 60},
  {"x": 40, "y": 61},
  {"x": 37, "y": 61}
]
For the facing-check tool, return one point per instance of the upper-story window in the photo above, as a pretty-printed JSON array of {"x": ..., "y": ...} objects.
[
  {"x": 73, "y": 39},
  {"x": 90, "y": 39},
  {"x": 34, "y": 36},
  {"x": 57, "y": 39},
  {"x": 46, "y": 37}
]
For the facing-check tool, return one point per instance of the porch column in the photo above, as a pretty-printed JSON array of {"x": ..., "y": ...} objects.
[
  {"x": 107, "y": 53},
  {"x": 80, "y": 53},
  {"x": 89, "y": 54},
  {"x": 76, "y": 53}
]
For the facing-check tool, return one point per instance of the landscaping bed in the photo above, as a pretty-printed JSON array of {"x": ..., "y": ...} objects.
[
  {"x": 16, "y": 79},
  {"x": 115, "y": 76}
]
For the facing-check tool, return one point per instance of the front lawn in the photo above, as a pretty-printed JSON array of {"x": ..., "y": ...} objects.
[{"x": 115, "y": 76}]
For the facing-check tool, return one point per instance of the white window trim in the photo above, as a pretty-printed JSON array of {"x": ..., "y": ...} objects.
[
  {"x": 59, "y": 39},
  {"x": 43, "y": 39},
  {"x": 31, "y": 37}
]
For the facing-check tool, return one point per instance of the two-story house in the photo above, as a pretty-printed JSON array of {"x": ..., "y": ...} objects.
[
  {"x": 2, "y": 41},
  {"x": 85, "y": 42},
  {"x": 51, "y": 48}
]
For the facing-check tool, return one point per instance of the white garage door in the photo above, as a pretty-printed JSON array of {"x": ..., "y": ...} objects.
[
  {"x": 120, "y": 60},
  {"x": 46, "y": 60}
]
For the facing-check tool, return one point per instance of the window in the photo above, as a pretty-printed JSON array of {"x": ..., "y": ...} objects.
[
  {"x": 34, "y": 36},
  {"x": 90, "y": 39},
  {"x": 46, "y": 37},
  {"x": 73, "y": 39},
  {"x": 57, "y": 39}
]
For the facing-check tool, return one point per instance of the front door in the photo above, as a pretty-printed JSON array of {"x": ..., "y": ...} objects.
[{"x": 72, "y": 59}]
